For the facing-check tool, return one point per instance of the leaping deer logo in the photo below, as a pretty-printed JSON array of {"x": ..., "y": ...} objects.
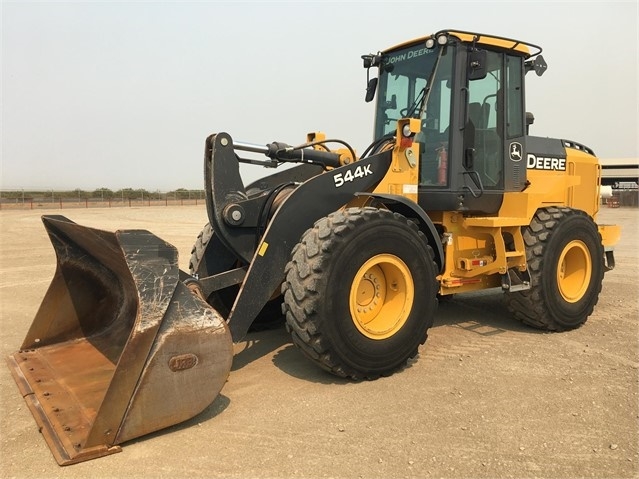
[{"x": 515, "y": 151}]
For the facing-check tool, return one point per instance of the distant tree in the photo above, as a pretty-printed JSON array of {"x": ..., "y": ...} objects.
[
  {"x": 125, "y": 193},
  {"x": 183, "y": 193},
  {"x": 104, "y": 193},
  {"x": 77, "y": 193}
]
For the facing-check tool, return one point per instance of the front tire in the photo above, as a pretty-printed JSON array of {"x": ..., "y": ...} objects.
[
  {"x": 566, "y": 264},
  {"x": 360, "y": 292}
]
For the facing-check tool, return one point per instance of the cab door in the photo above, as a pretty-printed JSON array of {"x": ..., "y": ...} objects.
[
  {"x": 492, "y": 131},
  {"x": 462, "y": 160}
]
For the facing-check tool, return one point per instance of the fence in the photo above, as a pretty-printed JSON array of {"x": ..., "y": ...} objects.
[
  {"x": 618, "y": 198},
  {"x": 13, "y": 200}
]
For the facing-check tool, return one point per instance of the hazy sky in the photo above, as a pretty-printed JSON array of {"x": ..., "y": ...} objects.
[{"x": 123, "y": 94}]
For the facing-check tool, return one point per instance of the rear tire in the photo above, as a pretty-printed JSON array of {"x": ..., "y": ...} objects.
[
  {"x": 360, "y": 292},
  {"x": 566, "y": 264}
]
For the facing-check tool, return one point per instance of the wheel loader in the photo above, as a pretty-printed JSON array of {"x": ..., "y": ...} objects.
[{"x": 452, "y": 196}]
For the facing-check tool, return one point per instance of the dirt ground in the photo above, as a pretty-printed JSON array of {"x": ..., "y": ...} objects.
[{"x": 487, "y": 397}]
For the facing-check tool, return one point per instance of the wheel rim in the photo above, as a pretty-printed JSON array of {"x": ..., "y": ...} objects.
[
  {"x": 574, "y": 271},
  {"x": 381, "y": 296}
]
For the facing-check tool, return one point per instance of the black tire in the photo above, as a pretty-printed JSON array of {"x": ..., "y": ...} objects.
[
  {"x": 338, "y": 289},
  {"x": 566, "y": 264},
  {"x": 221, "y": 300},
  {"x": 197, "y": 252},
  {"x": 271, "y": 315}
]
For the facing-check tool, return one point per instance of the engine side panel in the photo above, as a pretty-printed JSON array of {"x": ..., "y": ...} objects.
[{"x": 569, "y": 172}]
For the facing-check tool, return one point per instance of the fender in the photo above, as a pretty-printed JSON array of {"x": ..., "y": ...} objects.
[
  {"x": 312, "y": 200},
  {"x": 409, "y": 209}
]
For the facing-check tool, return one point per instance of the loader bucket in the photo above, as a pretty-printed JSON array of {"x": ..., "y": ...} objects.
[{"x": 119, "y": 347}]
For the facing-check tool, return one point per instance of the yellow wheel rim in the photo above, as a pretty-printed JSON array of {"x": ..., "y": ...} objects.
[
  {"x": 381, "y": 296},
  {"x": 574, "y": 271}
]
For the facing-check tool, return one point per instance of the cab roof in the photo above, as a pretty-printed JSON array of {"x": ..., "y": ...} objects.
[{"x": 526, "y": 49}]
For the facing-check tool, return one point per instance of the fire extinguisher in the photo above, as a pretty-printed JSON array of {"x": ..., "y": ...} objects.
[{"x": 442, "y": 167}]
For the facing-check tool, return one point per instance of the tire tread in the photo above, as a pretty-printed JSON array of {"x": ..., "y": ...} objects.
[
  {"x": 530, "y": 306},
  {"x": 309, "y": 262}
]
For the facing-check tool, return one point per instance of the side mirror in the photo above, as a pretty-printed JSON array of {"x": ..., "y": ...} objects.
[
  {"x": 371, "y": 87},
  {"x": 530, "y": 119},
  {"x": 477, "y": 65}
]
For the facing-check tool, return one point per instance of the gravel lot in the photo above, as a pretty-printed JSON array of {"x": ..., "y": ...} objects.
[{"x": 487, "y": 397}]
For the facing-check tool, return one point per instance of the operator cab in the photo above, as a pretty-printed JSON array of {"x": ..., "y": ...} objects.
[{"x": 468, "y": 91}]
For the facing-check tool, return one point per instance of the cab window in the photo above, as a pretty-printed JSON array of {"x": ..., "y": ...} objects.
[
  {"x": 434, "y": 137},
  {"x": 484, "y": 129},
  {"x": 515, "y": 97}
]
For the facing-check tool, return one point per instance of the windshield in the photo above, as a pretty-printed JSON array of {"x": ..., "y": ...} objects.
[
  {"x": 416, "y": 82},
  {"x": 403, "y": 85}
]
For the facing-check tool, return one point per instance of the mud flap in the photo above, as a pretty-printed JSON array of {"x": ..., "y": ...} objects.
[{"x": 119, "y": 347}]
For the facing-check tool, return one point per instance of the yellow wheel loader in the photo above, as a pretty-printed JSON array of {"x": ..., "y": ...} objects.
[{"x": 452, "y": 196}]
